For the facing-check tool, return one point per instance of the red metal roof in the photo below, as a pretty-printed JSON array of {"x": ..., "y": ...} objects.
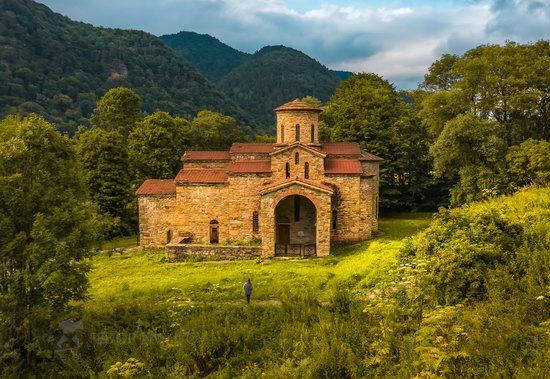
[
  {"x": 343, "y": 166},
  {"x": 341, "y": 148},
  {"x": 157, "y": 187},
  {"x": 251, "y": 148},
  {"x": 202, "y": 176},
  {"x": 253, "y": 166},
  {"x": 370, "y": 157},
  {"x": 286, "y": 182},
  {"x": 206, "y": 155}
]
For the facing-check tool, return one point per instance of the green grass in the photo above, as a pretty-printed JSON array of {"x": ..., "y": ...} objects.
[
  {"x": 120, "y": 242},
  {"x": 142, "y": 277}
]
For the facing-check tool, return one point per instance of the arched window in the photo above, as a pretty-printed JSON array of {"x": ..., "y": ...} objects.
[
  {"x": 282, "y": 133},
  {"x": 306, "y": 170},
  {"x": 169, "y": 236},
  {"x": 255, "y": 222},
  {"x": 287, "y": 170},
  {"x": 312, "y": 133},
  {"x": 297, "y": 132},
  {"x": 297, "y": 158},
  {"x": 334, "y": 220},
  {"x": 214, "y": 231}
]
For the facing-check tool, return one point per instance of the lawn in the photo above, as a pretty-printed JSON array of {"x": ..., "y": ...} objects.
[{"x": 143, "y": 277}]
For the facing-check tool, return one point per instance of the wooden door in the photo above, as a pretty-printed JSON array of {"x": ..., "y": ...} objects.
[
  {"x": 214, "y": 237},
  {"x": 284, "y": 234}
]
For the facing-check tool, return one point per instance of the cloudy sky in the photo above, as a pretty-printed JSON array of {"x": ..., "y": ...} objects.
[{"x": 396, "y": 39}]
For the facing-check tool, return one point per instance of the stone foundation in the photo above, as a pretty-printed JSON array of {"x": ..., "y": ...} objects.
[{"x": 211, "y": 252}]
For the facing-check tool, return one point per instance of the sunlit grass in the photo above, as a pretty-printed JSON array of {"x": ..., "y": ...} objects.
[
  {"x": 143, "y": 276},
  {"x": 120, "y": 242}
]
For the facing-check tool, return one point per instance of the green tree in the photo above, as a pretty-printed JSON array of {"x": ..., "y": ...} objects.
[
  {"x": 508, "y": 84},
  {"x": 529, "y": 163},
  {"x": 156, "y": 145},
  {"x": 265, "y": 138},
  {"x": 471, "y": 151},
  {"x": 368, "y": 110},
  {"x": 214, "y": 131},
  {"x": 47, "y": 227},
  {"x": 103, "y": 156},
  {"x": 119, "y": 109}
]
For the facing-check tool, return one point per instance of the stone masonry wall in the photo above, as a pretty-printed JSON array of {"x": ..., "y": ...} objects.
[
  {"x": 289, "y": 119},
  {"x": 155, "y": 219},
  {"x": 350, "y": 209},
  {"x": 243, "y": 198},
  {"x": 214, "y": 252},
  {"x": 196, "y": 206},
  {"x": 205, "y": 164},
  {"x": 316, "y": 164}
]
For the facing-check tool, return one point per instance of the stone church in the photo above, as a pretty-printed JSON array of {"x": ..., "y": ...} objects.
[{"x": 294, "y": 197}]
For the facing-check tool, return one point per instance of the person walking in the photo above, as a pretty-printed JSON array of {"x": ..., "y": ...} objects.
[{"x": 247, "y": 286}]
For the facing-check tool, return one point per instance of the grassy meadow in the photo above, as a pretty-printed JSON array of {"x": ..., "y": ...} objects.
[
  {"x": 143, "y": 276},
  {"x": 466, "y": 296}
]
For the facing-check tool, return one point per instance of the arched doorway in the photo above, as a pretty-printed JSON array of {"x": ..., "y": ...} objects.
[{"x": 295, "y": 226}]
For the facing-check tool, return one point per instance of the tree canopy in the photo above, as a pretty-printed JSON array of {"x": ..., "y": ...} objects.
[
  {"x": 368, "y": 110},
  {"x": 156, "y": 145},
  {"x": 47, "y": 227}
]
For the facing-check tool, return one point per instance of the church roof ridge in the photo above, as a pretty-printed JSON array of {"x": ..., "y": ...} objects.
[{"x": 286, "y": 182}]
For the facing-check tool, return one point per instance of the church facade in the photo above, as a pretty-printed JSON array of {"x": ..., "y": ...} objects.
[{"x": 294, "y": 197}]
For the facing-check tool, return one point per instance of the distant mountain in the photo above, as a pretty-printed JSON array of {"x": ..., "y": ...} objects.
[
  {"x": 343, "y": 75},
  {"x": 213, "y": 58},
  {"x": 273, "y": 76},
  {"x": 57, "y": 67}
]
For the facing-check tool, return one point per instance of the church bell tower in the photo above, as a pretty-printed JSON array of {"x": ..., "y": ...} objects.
[{"x": 297, "y": 121}]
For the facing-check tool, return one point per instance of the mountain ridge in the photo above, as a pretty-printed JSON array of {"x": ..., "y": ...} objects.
[{"x": 57, "y": 67}]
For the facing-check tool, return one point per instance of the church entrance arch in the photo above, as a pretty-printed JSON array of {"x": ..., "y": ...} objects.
[{"x": 295, "y": 226}]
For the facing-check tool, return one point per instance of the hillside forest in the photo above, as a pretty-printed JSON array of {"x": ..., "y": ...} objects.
[{"x": 89, "y": 113}]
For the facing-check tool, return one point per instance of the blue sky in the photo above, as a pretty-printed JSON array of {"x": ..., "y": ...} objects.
[{"x": 396, "y": 39}]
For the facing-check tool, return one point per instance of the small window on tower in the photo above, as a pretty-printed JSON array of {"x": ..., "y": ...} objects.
[
  {"x": 297, "y": 132},
  {"x": 306, "y": 170},
  {"x": 312, "y": 133},
  {"x": 287, "y": 170},
  {"x": 282, "y": 133},
  {"x": 255, "y": 222},
  {"x": 297, "y": 158}
]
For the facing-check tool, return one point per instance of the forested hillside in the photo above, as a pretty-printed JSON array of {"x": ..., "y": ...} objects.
[
  {"x": 58, "y": 68},
  {"x": 213, "y": 58},
  {"x": 273, "y": 76}
]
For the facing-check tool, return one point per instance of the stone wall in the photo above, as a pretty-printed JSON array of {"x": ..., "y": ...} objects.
[
  {"x": 155, "y": 219},
  {"x": 288, "y": 120},
  {"x": 211, "y": 252},
  {"x": 243, "y": 199},
  {"x": 196, "y": 206},
  {"x": 316, "y": 164},
  {"x": 350, "y": 208},
  {"x": 205, "y": 164}
]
